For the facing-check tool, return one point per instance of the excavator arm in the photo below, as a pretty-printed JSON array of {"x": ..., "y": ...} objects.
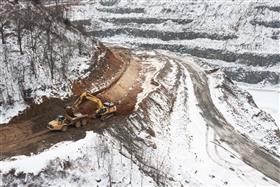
[
  {"x": 90, "y": 97},
  {"x": 95, "y": 100},
  {"x": 102, "y": 109}
]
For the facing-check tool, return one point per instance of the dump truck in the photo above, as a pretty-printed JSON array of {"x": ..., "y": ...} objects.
[
  {"x": 61, "y": 122},
  {"x": 74, "y": 117}
]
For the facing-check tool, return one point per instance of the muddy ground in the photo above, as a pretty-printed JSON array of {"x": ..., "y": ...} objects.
[{"x": 27, "y": 133}]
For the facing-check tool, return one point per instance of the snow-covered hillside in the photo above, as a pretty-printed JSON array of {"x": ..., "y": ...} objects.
[
  {"x": 240, "y": 37},
  {"x": 40, "y": 56}
]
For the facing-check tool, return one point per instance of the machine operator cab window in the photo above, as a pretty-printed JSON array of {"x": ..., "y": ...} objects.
[
  {"x": 109, "y": 104},
  {"x": 60, "y": 118}
]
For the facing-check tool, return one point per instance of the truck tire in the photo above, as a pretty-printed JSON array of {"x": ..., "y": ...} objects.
[
  {"x": 78, "y": 124},
  {"x": 64, "y": 128},
  {"x": 84, "y": 122}
]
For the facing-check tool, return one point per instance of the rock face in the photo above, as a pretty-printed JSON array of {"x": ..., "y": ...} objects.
[{"x": 240, "y": 37}]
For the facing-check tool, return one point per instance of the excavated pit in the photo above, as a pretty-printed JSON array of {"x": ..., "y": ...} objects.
[{"x": 27, "y": 133}]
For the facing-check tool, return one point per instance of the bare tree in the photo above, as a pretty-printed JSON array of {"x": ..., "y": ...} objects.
[
  {"x": 4, "y": 21},
  {"x": 65, "y": 55},
  {"x": 20, "y": 24},
  {"x": 6, "y": 55},
  {"x": 49, "y": 51}
]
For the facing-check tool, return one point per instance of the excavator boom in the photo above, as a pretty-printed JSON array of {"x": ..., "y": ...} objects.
[
  {"x": 89, "y": 97},
  {"x": 102, "y": 109}
]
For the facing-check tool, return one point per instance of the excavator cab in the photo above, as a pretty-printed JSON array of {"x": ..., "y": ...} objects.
[{"x": 109, "y": 104}]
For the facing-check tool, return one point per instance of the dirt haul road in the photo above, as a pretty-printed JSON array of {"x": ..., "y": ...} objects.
[{"x": 28, "y": 133}]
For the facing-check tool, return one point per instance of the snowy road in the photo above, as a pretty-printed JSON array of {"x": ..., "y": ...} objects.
[{"x": 258, "y": 158}]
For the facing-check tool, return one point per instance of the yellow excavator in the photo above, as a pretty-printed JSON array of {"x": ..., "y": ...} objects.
[
  {"x": 103, "y": 109},
  {"x": 74, "y": 117}
]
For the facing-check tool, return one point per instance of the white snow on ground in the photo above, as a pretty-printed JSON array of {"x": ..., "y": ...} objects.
[
  {"x": 152, "y": 66},
  {"x": 190, "y": 151},
  {"x": 11, "y": 111},
  {"x": 216, "y": 160},
  {"x": 266, "y": 97},
  {"x": 243, "y": 115},
  {"x": 93, "y": 160}
]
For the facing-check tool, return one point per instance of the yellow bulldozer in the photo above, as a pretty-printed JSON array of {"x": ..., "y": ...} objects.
[{"x": 74, "y": 117}]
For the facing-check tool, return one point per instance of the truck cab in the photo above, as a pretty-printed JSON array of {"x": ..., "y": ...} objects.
[{"x": 58, "y": 123}]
